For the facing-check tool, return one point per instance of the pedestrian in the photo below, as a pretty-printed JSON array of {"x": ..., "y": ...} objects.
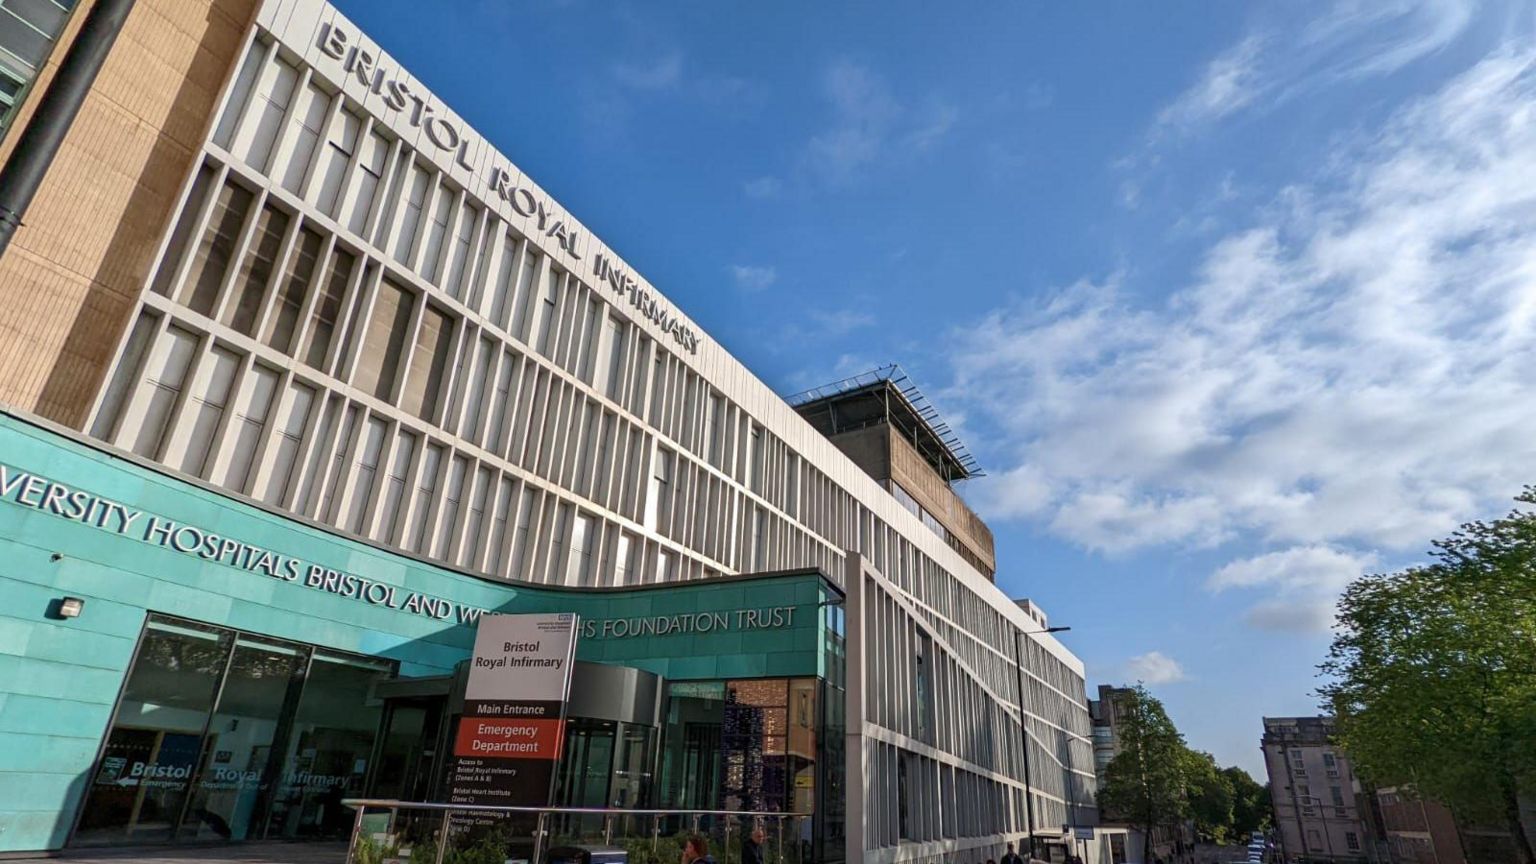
[
  {"x": 1012, "y": 857},
  {"x": 697, "y": 851},
  {"x": 752, "y": 848}
]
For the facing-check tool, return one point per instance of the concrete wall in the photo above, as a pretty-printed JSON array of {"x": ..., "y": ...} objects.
[{"x": 74, "y": 270}]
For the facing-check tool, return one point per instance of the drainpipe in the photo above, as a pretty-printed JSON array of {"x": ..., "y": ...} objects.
[{"x": 55, "y": 113}]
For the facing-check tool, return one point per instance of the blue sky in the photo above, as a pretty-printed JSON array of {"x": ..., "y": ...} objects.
[{"x": 1233, "y": 301}]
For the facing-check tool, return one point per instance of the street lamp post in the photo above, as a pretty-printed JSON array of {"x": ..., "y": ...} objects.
[{"x": 1029, "y": 801}]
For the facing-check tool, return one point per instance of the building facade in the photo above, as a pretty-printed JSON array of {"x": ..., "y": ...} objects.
[
  {"x": 297, "y": 305},
  {"x": 1320, "y": 813}
]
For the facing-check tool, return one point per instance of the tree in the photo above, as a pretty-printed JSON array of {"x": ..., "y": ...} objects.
[
  {"x": 1250, "y": 803},
  {"x": 1433, "y": 673},
  {"x": 1145, "y": 784},
  {"x": 1211, "y": 797}
]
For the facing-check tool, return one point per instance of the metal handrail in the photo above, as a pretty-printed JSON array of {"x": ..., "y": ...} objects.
[
  {"x": 361, "y": 805},
  {"x": 616, "y": 811}
]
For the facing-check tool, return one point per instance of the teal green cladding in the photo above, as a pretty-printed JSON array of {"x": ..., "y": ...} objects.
[{"x": 59, "y": 679}]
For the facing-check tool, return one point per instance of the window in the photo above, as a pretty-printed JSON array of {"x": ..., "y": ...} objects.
[
  {"x": 520, "y": 533},
  {"x": 181, "y": 235},
  {"x": 396, "y": 483},
  {"x": 579, "y": 570},
  {"x": 205, "y": 409},
  {"x": 331, "y": 173},
  {"x": 239, "y": 92},
  {"x": 464, "y": 237},
  {"x": 549, "y": 300},
  {"x": 370, "y": 173},
  {"x": 410, "y": 219},
  {"x": 428, "y": 361},
  {"x": 379, "y": 362},
  {"x": 1352, "y": 840},
  {"x": 498, "y": 539},
  {"x": 453, "y": 494},
  {"x": 282, "y": 323},
  {"x": 558, "y": 535},
  {"x": 338, "y": 465},
  {"x": 1338, "y": 796},
  {"x": 426, "y": 494},
  {"x": 256, "y": 271},
  {"x": 288, "y": 443},
  {"x": 472, "y": 550},
  {"x": 903, "y": 798},
  {"x": 623, "y": 561},
  {"x": 712, "y": 421},
  {"x": 308, "y": 118},
  {"x": 274, "y": 89},
  {"x": 365, "y": 468},
  {"x": 211, "y": 260},
  {"x": 250, "y": 421},
  {"x": 610, "y": 372},
  {"x": 327, "y": 309},
  {"x": 1328, "y": 761},
  {"x": 661, "y": 482},
  {"x": 167, "y": 372},
  {"x": 432, "y": 259},
  {"x": 125, "y": 376}
]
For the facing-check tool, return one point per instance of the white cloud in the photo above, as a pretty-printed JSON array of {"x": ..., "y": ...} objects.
[
  {"x": 1289, "y": 57},
  {"x": 1350, "y": 375},
  {"x": 870, "y": 125},
  {"x": 752, "y": 278},
  {"x": 658, "y": 74},
  {"x": 1154, "y": 667},
  {"x": 838, "y": 322},
  {"x": 763, "y": 187},
  {"x": 1228, "y": 83},
  {"x": 1304, "y": 583}
]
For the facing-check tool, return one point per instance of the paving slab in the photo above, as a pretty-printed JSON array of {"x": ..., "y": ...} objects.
[{"x": 241, "y": 853}]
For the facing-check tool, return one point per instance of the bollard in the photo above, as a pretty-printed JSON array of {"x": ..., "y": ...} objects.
[
  {"x": 608, "y": 830},
  {"x": 655, "y": 831},
  {"x": 779, "y": 829}
]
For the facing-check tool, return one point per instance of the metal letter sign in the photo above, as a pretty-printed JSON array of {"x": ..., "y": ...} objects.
[{"x": 514, "y": 710}]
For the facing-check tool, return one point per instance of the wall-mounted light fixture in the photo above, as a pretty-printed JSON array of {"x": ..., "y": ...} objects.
[{"x": 69, "y": 607}]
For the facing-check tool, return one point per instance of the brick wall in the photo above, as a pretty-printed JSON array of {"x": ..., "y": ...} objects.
[{"x": 70, "y": 278}]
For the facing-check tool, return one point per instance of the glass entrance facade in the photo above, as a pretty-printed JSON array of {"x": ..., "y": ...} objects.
[{"x": 225, "y": 735}]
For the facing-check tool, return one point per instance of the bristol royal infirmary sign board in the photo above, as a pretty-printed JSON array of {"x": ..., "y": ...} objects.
[{"x": 513, "y": 726}]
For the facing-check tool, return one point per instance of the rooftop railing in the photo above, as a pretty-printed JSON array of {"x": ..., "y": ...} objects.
[{"x": 387, "y": 831}]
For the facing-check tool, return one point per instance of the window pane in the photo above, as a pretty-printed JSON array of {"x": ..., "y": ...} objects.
[
  {"x": 238, "y": 94},
  {"x": 274, "y": 89},
  {"x": 181, "y": 236},
  {"x": 428, "y": 362},
  {"x": 210, "y": 395},
  {"x": 453, "y": 493},
  {"x": 168, "y": 364},
  {"x": 292, "y": 290},
  {"x": 426, "y": 495},
  {"x": 322, "y": 321},
  {"x": 379, "y": 361},
  {"x": 369, "y": 451},
  {"x": 250, "y": 284},
  {"x": 249, "y": 422},
  {"x": 287, "y": 444},
  {"x": 308, "y": 117},
  {"x": 156, "y": 732},
  {"x": 125, "y": 375},
  {"x": 370, "y": 173},
  {"x": 217, "y": 246},
  {"x": 410, "y": 219},
  {"x": 395, "y": 486},
  {"x": 340, "y": 144}
]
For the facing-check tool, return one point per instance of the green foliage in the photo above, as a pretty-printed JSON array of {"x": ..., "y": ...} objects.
[
  {"x": 1250, "y": 804},
  {"x": 669, "y": 850},
  {"x": 1146, "y": 783},
  {"x": 1211, "y": 796},
  {"x": 1433, "y": 672}
]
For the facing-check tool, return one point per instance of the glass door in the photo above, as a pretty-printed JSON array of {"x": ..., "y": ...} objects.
[
  {"x": 147, "y": 765},
  {"x": 238, "y": 766}
]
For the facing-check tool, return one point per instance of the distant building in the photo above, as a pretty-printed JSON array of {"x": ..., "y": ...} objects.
[
  {"x": 1105, "y": 712},
  {"x": 1421, "y": 831},
  {"x": 1318, "y": 812},
  {"x": 884, "y": 424}
]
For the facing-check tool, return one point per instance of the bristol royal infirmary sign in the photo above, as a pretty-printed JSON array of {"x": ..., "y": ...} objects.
[{"x": 399, "y": 96}]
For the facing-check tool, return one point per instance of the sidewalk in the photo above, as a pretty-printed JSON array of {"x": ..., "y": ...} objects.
[{"x": 244, "y": 853}]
